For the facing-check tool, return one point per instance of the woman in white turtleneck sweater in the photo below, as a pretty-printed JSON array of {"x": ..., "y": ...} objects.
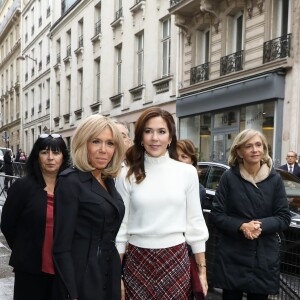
[{"x": 163, "y": 213}]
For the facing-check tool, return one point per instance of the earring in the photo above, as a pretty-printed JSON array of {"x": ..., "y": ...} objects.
[{"x": 142, "y": 144}]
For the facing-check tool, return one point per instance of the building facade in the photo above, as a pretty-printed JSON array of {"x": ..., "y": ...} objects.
[
  {"x": 111, "y": 57},
  {"x": 35, "y": 60},
  {"x": 10, "y": 50},
  {"x": 239, "y": 68}
]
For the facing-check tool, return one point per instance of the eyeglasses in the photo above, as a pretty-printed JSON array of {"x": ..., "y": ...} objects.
[
  {"x": 290, "y": 156},
  {"x": 53, "y": 135}
]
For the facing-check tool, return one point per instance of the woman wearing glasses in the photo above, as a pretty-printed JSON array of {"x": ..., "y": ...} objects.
[
  {"x": 27, "y": 219},
  {"x": 88, "y": 213}
]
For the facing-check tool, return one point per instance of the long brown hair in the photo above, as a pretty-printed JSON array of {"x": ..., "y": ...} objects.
[{"x": 135, "y": 154}]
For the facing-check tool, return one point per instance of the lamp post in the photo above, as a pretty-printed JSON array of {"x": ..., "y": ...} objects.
[
  {"x": 5, "y": 137},
  {"x": 23, "y": 57}
]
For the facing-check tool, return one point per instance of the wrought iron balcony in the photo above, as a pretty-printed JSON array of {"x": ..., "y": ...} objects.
[
  {"x": 199, "y": 73},
  {"x": 277, "y": 48},
  {"x": 231, "y": 63}
]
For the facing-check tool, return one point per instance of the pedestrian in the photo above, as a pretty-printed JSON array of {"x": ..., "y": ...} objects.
[
  {"x": 18, "y": 155},
  {"x": 88, "y": 214},
  {"x": 162, "y": 214},
  {"x": 249, "y": 209},
  {"x": 22, "y": 158},
  {"x": 291, "y": 165},
  {"x": 27, "y": 219},
  {"x": 187, "y": 153},
  {"x": 8, "y": 169}
]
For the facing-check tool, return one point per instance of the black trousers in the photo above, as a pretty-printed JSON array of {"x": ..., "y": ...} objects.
[
  {"x": 237, "y": 295},
  {"x": 33, "y": 286}
]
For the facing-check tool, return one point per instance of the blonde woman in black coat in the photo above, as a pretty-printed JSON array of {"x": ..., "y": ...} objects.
[
  {"x": 249, "y": 208},
  {"x": 27, "y": 219},
  {"x": 88, "y": 214}
]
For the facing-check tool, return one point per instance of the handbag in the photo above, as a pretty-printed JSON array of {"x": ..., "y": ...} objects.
[{"x": 196, "y": 283}]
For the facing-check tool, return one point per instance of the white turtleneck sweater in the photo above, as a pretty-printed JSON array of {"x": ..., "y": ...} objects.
[{"x": 164, "y": 209}]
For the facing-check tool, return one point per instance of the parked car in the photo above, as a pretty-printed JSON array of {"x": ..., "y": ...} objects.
[{"x": 209, "y": 176}]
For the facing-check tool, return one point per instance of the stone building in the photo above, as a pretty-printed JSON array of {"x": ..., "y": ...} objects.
[
  {"x": 35, "y": 59},
  {"x": 239, "y": 68},
  {"x": 10, "y": 49}
]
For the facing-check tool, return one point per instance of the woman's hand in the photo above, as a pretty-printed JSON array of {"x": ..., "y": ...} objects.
[
  {"x": 122, "y": 290},
  {"x": 251, "y": 230}
]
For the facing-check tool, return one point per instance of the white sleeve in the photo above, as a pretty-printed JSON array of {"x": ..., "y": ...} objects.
[
  {"x": 122, "y": 186},
  {"x": 196, "y": 230}
]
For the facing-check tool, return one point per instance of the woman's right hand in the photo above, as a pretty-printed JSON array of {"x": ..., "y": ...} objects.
[{"x": 122, "y": 290}]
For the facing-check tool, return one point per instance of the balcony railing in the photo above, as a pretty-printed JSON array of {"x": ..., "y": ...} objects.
[
  {"x": 199, "y": 73},
  {"x": 173, "y": 2},
  {"x": 119, "y": 13},
  {"x": 58, "y": 58},
  {"x": 277, "y": 48},
  {"x": 98, "y": 27},
  {"x": 231, "y": 63}
]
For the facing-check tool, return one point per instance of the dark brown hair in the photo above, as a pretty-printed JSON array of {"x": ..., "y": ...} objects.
[
  {"x": 188, "y": 148},
  {"x": 135, "y": 154}
]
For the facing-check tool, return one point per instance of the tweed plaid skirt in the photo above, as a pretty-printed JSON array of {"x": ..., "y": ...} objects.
[{"x": 161, "y": 274}]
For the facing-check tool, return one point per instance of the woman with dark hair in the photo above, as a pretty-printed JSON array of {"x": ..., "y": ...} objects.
[
  {"x": 187, "y": 153},
  {"x": 249, "y": 209},
  {"x": 27, "y": 219},
  {"x": 163, "y": 212}
]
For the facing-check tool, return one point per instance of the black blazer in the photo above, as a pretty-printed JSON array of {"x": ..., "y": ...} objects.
[
  {"x": 23, "y": 223},
  {"x": 87, "y": 219},
  {"x": 296, "y": 170}
]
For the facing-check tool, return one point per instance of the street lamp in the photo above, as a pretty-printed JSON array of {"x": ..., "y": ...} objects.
[{"x": 22, "y": 57}]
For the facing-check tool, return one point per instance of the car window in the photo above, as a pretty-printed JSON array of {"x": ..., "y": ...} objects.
[
  {"x": 202, "y": 173},
  {"x": 214, "y": 177},
  {"x": 1, "y": 153}
]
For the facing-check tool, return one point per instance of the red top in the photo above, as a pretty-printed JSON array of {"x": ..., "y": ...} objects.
[{"x": 47, "y": 261}]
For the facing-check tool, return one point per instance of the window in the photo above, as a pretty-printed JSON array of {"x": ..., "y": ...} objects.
[
  {"x": 32, "y": 102},
  {"x": 140, "y": 58},
  {"x": 80, "y": 88},
  {"x": 40, "y": 97},
  {"x": 80, "y": 33},
  {"x": 166, "y": 47},
  {"x": 26, "y": 28},
  {"x": 98, "y": 18},
  {"x": 281, "y": 18},
  {"x": 57, "y": 99},
  {"x": 119, "y": 69},
  {"x": 97, "y": 79},
  {"x": 202, "y": 46},
  {"x": 68, "y": 94},
  {"x": 235, "y": 33},
  {"x": 58, "y": 50},
  {"x": 69, "y": 38}
]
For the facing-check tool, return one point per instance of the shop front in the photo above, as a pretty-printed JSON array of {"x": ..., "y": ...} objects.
[{"x": 213, "y": 118}]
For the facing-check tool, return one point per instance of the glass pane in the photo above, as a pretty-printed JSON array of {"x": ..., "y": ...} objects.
[
  {"x": 225, "y": 119},
  {"x": 202, "y": 173},
  {"x": 218, "y": 148},
  {"x": 214, "y": 177},
  {"x": 229, "y": 141}
]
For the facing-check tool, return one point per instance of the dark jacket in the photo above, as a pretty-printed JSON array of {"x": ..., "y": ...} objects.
[
  {"x": 8, "y": 168},
  {"x": 87, "y": 219},
  {"x": 23, "y": 223},
  {"x": 296, "y": 170},
  {"x": 240, "y": 263}
]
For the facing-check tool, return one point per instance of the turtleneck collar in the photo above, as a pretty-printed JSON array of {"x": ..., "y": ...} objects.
[{"x": 156, "y": 160}]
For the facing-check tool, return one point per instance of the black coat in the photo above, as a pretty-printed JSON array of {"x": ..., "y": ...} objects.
[
  {"x": 296, "y": 170},
  {"x": 240, "y": 263},
  {"x": 8, "y": 168},
  {"x": 87, "y": 219},
  {"x": 23, "y": 223}
]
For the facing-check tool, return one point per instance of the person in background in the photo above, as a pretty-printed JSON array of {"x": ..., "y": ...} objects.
[
  {"x": 18, "y": 155},
  {"x": 22, "y": 158},
  {"x": 249, "y": 208},
  {"x": 8, "y": 169},
  {"x": 88, "y": 214},
  {"x": 123, "y": 127},
  {"x": 291, "y": 165},
  {"x": 187, "y": 153},
  {"x": 163, "y": 212},
  {"x": 27, "y": 219}
]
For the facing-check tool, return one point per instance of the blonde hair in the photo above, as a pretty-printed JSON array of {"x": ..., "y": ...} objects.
[
  {"x": 240, "y": 140},
  {"x": 88, "y": 129}
]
